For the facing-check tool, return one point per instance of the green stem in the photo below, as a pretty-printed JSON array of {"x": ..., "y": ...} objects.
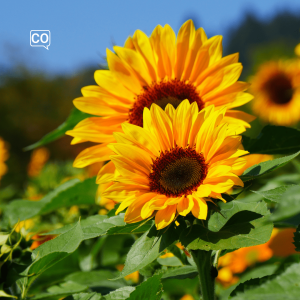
[{"x": 203, "y": 261}]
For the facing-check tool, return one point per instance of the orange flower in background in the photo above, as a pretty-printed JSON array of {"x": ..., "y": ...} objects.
[
  {"x": 3, "y": 157},
  {"x": 160, "y": 69},
  {"x": 178, "y": 161},
  {"x": 280, "y": 245},
  {"x": 39, "y": 239},
  {"x": 38, "y": 159},
  {"x": 134, "y": 277},
  {"x": 276, "y": 88},
  {"x": 281, "y": 242}
]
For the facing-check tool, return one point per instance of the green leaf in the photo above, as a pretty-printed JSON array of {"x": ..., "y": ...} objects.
[
  {"x": 274, "y": 195},
  {"x": 101, "y": 278},
  {"x": 51, "y": 252},
  {"x": 66, "y": 243},
  {"x": 249, "y": 284},
  {"x": 240, "y": 228},
  {"x": 99, "y": 225},
  {"x": 73, "y": 192},
  {"x": 289, "y": 205},
  {"x": 63, "y": 289},
  {"x": 274, "y": 140},
  {"x": 297, "y": 239},
  {"x": 266, "y": 167},
  {"x": 259, "y": 271},
  {"x": 119, "y": 294},
  {"x": 151, "y": 289},
  {"x": 227, "y": 210},
  {"x": 92, "y": 227},
  {"x": 148, "y": 247},
  {"x": 5, "y": 295},
  {"x": 283, "y": 286},
  {"x": 181, "y": 273},
  {"x": 85, "y": 296},
  {"x": 170, "y": 261},
  {"x": 75, "y": 117},
  {"x": 135, "y": 228}
]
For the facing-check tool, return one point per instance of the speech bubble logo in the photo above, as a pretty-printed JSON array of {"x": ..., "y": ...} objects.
[{"x": 40, "y": 38}]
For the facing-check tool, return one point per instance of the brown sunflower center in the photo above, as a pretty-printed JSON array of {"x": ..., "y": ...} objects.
[
  {"x": 163, "y": 93},
  {"x": 279, "y": 89},
  {"x": 178, "y": 172}
]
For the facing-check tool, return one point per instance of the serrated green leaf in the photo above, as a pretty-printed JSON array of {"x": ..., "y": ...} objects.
[
  {"x": 98, "y": 225},
  {"x": 249, "y": 284},
  {"x": 51, "y": 252},
  {"x": 119, "y": 294},
  {"x": 151, "y": 289},
  {"x": 241, "y": 233},
  {"x": 257, "y": 272},
  {"x": 101, "y": 278},
  {"x": 170, "y": 261},
  {"x": 274, "y": 140},
  {"x": 148, "y": 247},
  {"x": 75, "y": 117},
  {"x": 289, "y": 205},
  {"x": 92, "y": 227},
  {"x": 297, "y": 238},
  {"x": 227, "y": 210},
  {"x": 67, "y": 242},
  {"x": 85, "y": 296},
  {"x": 284, "y": 286},
  {"x": 73, "y": 192},
  {"x": 135, "y": 228},
  {"x": 274, "y": 195},
  {"x": 266, "y": 167},
  {"x": 63, "y": 289},
  {"x": 181, "y": 273}
]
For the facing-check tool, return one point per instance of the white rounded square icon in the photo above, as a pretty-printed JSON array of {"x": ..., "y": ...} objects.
[{"x": 40, "y": 38}]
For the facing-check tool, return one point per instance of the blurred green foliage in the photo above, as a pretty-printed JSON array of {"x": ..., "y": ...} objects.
[{"x": 32, "y": 105}]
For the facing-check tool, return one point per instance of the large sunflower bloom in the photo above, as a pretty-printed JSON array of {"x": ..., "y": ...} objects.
[
  {"x": 276, "y": 87},
  {"x": 174, "y": 164},
  {"x": 158, "y": 69}
]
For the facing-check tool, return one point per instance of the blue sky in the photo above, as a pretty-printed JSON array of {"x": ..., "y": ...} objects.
[{"x": 82, "y": 30}]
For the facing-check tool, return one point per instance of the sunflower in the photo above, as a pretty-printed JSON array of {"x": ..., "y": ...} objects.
[
  {"x": 3, "y": 157},
  {"x": 160, "y": 69},
  {"x": 175, "y": 163},
  {"x": 276, "y": 88}
]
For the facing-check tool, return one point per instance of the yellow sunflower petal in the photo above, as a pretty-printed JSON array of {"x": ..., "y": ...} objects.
[
  {"x": 185, "y": 205},
  {"x": 199, "y": 209},
  {"x": 92, "y": 155},
  {"x": 164, "y": 217}
]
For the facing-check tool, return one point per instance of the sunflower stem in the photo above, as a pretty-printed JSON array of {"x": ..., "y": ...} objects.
[{"x": 203, "y": 261}]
